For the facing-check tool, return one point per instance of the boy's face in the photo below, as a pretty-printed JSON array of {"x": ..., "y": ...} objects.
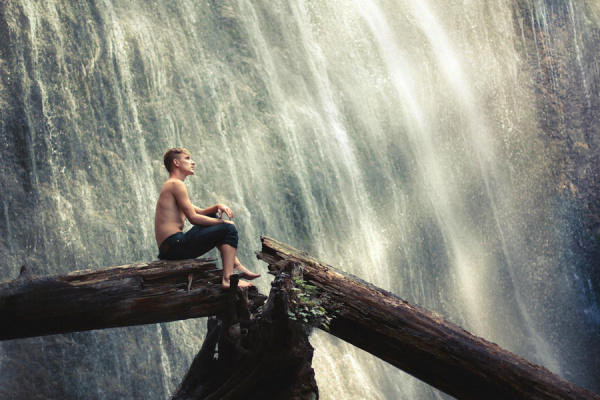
[{"x": 185, "y": 163}]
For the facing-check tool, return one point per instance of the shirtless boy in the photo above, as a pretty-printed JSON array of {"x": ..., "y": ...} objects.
[{"x": 209, "y": 230}]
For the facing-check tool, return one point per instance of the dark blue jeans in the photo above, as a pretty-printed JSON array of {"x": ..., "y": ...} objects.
[{"x": 197, "y": 241}]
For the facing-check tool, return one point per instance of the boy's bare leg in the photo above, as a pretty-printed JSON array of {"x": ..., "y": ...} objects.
[
  {"x": 245, "y": 271},
  {"x": 228, "y": 258}
]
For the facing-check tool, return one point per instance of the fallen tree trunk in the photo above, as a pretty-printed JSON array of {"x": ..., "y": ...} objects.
[
  {"x": 417, "y": 341},
  {"x": 262, "y": 354},
  {"x": 140, "y": 293}
]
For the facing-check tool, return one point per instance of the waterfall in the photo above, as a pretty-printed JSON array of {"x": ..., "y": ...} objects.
[{"x": 442, "y": 150}]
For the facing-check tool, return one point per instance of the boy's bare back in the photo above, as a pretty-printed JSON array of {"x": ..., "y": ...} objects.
[{"x": 169, "y": 218}]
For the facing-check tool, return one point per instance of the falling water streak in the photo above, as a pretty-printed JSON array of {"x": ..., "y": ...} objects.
[
  {"x": 541, "y": 11},
  {"x": 324, "y": 95},
  {"x": 31, "y": 137},
  {"x": 31, "y": 84},
  {"x": 64, "y": 207},
  {"x": 143, "y": 192},
  {"x": 165, "y": 365},
  {"x": 431, "y": 171},
  {"x": 9, "y": 235},
  {"x": 376, "y": 267},
  {"x": 274, "y": 83},
  {"x": 486, "y": 159},
  {"x": 535, "y": 38},
  {"x": 331, "y": 123},
  {"x": 451, "y": 68},
  {"x": 239, "y": 196},
  {"x": 578, "y": 54}
]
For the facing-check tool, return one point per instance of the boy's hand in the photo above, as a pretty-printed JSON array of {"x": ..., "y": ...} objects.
[{"x": 224, "y": 209}]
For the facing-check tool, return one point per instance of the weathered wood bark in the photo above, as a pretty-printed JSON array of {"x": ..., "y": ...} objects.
[
  {"x": 134, "y": 294},
  {"x": 420, "y": 342},
  {"x": 261, "y": 354}
]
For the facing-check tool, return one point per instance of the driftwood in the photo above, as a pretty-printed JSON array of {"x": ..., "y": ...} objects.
[
  {"x": 419, "y": 342},
  {"x": 134, "y": 294},
  {"x": 262, "y": 354}
]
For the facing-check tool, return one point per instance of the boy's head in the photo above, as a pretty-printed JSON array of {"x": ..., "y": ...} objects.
[{"x": 172, "y": 154}]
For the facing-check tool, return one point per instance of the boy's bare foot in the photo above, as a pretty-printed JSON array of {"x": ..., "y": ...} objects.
[
  {"x": 242, "y": 284},
  {"x": 249, "y": 275},
  {"x": 245, "y": 272}
]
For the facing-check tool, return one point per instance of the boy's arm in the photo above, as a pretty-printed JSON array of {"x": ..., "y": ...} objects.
[
  {"x": 215, "y": 209},
  {"x": 207, "y": 211},
  {"x": 183, "y": 202}
]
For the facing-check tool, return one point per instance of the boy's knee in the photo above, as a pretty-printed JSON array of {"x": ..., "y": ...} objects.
[
  {"x": 231, "y": 229},
  {"x": 231, "y": 236}
]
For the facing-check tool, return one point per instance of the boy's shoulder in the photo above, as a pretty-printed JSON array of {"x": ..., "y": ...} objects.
[{"x": 172, "y": 184}]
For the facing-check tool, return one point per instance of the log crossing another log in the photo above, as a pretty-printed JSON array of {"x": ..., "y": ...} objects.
[
  {"x": 253, "y": 351},
  {"x": 134, "y": 294},
  {"x": 417, "y": 341}
]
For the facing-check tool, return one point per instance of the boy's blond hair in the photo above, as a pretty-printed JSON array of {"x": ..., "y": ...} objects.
[{"x": 172, "y": 154}]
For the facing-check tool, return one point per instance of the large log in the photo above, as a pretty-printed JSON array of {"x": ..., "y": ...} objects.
[
  {"x": 134, "y": 294},
  {"x": 262, "y": 354},
  {"x": 418, "y": 341}
]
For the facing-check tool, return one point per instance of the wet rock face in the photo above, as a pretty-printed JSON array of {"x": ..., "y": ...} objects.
[
  {"x": 336, "y": 127},
  {"x": 560, "y": 43}
]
